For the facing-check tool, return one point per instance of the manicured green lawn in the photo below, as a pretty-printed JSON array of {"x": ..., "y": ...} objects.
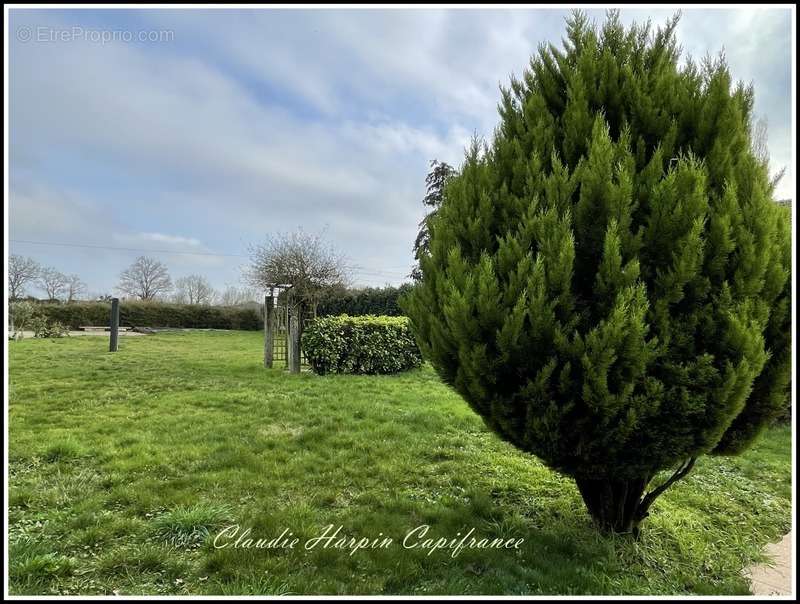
[{"x": 124, "y": 467}]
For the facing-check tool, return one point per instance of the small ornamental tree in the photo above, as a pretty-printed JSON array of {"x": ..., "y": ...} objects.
[
  {"x": 607, "y": 282},
  {"x": 302, "y": 262}
]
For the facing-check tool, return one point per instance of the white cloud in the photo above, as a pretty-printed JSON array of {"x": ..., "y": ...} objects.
[
  {"x": 259, "y": 121},
  {"x": 248, "y": 168},
  {"x": 161, "y": 240}
]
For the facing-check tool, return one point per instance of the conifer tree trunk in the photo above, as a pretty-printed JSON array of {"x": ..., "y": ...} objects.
[
  {"x": 614, "y": 505},
  {"x": 618, "y": 506}
]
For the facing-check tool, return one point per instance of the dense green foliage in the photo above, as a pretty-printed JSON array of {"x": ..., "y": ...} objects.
[
  {"x": 786, "y": 210},
  {"x": 608, "y": 279},
  {"x": 365, "y": 301},
  {"x": 155, "y": 314},
  {"x": 122, "y": 468},
  {"x": 367, "y": 344}
]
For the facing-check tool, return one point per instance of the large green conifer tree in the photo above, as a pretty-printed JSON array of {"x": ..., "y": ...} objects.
[{"x": 607, "y": 282}]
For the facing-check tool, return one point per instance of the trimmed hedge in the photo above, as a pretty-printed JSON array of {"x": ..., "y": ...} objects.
[
  {"x": 366, "y": 301},
  {"x": 155, "y": 314},
  {"x": 367, "y": 344}
]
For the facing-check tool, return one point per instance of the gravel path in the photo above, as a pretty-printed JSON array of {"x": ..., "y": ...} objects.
[
  {"x": 773, "y": 579},
  {"x": 29, "y": 334}
]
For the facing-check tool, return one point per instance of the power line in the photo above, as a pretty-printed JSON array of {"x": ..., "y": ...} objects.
[
  {"x": 394, "y": 268},
  {"x": 123, "y": 249},
  {"x": 376, "y": 271},
  {"x": 358, "y": 269}
]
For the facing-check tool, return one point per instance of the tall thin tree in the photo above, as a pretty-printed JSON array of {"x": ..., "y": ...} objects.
[{"x": 435, "y": 183}]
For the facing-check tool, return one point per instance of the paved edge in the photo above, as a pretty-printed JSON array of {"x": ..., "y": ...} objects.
[{"x": 774, "y": 578}]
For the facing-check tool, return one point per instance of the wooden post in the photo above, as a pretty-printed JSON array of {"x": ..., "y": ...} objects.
[
  {"x": 301, "y": 323},
  {"x": 285, "y": 328},
  {"x": 287, "y": 313},
  {"x": 269, "y": 330},
  {"x": 294, "y": 340},
  {"x": 112, "y": 345}
]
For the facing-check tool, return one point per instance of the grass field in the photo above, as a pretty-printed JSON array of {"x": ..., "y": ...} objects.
[{"x": 124, "y": 467}]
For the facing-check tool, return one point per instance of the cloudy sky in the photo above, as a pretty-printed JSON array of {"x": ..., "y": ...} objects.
[{"x": 223, "y": 126}]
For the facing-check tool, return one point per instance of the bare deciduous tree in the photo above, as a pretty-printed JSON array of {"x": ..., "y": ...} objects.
[
  {"x": 75, "y": 288},
  {"x": 758, "y": 138},
  {"x": 53, "y": 282},
  {"x": 232, "y": 295},
  {"x": 193, "y": 289},
  {"x": 302, "y": 261},
  {"x": 759, "y": 143},
  {"x": 21, "y": 271},
  {"x": 146, "y": 279}
]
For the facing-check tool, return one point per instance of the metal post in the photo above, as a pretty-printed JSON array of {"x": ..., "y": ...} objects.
[
  {"x": 112, "y": 346},
  {"x": 269, "y": 330}
]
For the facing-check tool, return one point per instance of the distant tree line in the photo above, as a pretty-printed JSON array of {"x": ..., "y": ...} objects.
[
  {"x": 24, "y": 272},
  {"x": 146, "y": 279}
]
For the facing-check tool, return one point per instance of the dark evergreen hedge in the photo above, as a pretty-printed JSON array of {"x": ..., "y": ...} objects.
[
  {"x": 155, "y": 314},
  {"x": 366, "y": 344},
  {"x": 381, "y": 301}
]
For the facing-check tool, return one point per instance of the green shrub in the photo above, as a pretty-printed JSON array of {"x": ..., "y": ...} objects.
[
  {"x": 42, "y": 328},
  {"x": 155, "y": 314},
  {"x": 366, "y": 344}
]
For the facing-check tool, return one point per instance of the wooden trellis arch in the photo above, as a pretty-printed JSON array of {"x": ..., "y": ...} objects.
[{"x": 284, "y": 319}]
